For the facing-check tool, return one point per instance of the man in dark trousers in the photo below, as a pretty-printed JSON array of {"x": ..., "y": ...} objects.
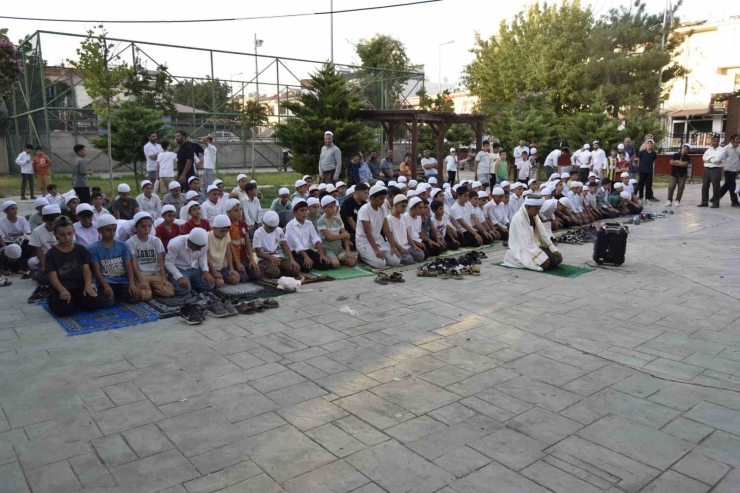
[
  {"x": 185, "y": 159},
  {"x": 647, "y": 159},
  {"x": 731, "y": 164}
]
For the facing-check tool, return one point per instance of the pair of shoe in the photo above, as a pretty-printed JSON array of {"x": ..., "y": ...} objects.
[
  {"x": 192, "y": 314},
  {"x": 220, "y": 308},
  {"x": 715, "y": 205},
  {"x": 39, "y": 294}
]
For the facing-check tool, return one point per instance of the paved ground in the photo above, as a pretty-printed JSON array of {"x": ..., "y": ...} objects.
[{"x": 623, "y": 380}]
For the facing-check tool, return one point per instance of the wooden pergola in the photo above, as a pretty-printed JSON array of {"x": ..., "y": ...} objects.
[{"x": 439, "y": 121}]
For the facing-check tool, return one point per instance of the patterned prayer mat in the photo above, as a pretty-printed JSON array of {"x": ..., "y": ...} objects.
[
  {"x": 562, "y": 270},
  {"x": 118, "y": 316},
  {"x": 170, "y": 307},
  {"x": 344, "y": 273}
]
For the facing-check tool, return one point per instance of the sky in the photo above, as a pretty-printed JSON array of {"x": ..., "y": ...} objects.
[{"x": 422, "y": 28}]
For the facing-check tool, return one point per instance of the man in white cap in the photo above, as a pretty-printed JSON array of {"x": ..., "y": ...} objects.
[
  {"x": 86, "y": 232},
  {"x": 530, "y": 246},
  {"x": 551, "y": 161},
  {"x": 148, "y": 200},
  {"x": 12, "y": 226},
  {"x": 148, "y": 260},
  {"x": 209, "y": 160},
  {"x": 330, "y": 160},
  {"x": 599, "y": 160},
  {"x": 272, "y": 249},
  {"x": 12, "y": 261},
  {"x": 187, "y": 263},
  {"x": 175, "y": 197},
  {"x": 125, "y": 207},
  {"x": 304, "y": 241},
  {"x": 111, "y": 262},
  {"x": 450, "y": 164},
  {"x": 371, "y": 224},
  {"x": 301, "y": 189},
  {"x": 583, "y": 162}
]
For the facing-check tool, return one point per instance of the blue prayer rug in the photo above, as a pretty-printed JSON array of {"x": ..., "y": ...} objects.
[{"x": 118, "y": 316}]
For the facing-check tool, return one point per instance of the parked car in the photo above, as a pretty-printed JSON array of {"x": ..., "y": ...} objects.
[{"x": 224, "y": 136}]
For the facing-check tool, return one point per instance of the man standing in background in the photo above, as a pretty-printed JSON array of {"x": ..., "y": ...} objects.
[
  {"x": 386, "y": 166},
  {"x": 731, "y": 164},
  {"x": 330, "y": 160},
  {"x": 430, "y": 165},
  {"x": 185, "y": 159},
  {"x": 80, "y": 173},
  {"x": 151, "y": 151},
  {"x": 209, "y": 161},
  {"x": 599, "y": 160},
  {"x": 551, "y": 161},
  {"x": 451, "y": 166},
  {"x": 522, "y": 147},
  {"x": 647, "y": 159},
  {"x": 374, "y": 165},
  {"x": 25, "y": 162}
]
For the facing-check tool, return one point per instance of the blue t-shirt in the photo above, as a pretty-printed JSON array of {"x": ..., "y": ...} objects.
[{"x": 111, "y": 260}]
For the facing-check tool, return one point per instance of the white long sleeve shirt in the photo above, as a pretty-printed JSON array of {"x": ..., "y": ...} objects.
[
  {"x": 301, "y": 236},
  {"x": 252, "y": 211},
  {"x": 209, "y": 157},
  {"x": 713, "y": 157},
  {"x": 24, "y": 160},
  {"x": 552, "y": 159},
  {"x": 731, "y": 160},
  {"x": 153, "y": 205},
  {"x": 599, "y": 159},
  {"x": 211, "y": 210},
  {"x": 515, "y": 203},
  {"x": 181, "y": 257}
]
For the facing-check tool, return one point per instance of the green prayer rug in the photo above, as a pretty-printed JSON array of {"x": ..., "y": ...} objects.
[
  {"x": 562, "y": 270},
  {"x": 343, "y": 273}
]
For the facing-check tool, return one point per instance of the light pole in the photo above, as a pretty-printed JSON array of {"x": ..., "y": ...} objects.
[
  {"x": 257, "y": 44},
  {"x": 331, "y": 39},
  {"x": 439, "y": 91}
]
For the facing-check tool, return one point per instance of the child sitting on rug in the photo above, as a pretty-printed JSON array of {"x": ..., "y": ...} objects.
[
  {"x": 314, "y": 210},
  {"x": 68, "y": 269},
  {"x": 42, "y": 239},
  {"x": 479, "y": 220},
  {"x": 441, "y": 222},
  {"x": 195, "y": 218},
  {"x": 169, "y": 228},
  {"x": 240, "y": 242},
  {"x": 495, "y": 211},
  {"x": 334, "y": 239},
  {"x": 191, "y": 196},
  {"x": 413, "y": 220},
  {"x": 371, "y": 222},
  {"x": 148, "y": 254},
  {"x": 187, "y": 263},
  {"x": 211, "y": 207},
  {"x": 86, "y": 231},
  {"x": 111, "y": 264},
  {"x": 398, "y": 223},
  {"x": 272, "y": 249},
  {"x": 433, "y": 244},
  {"x": 174, "y": 198},
  {"x": 221, "y": 261},
  {"x": 302, "y": 238},
  {"x": 462, "y": 212}
]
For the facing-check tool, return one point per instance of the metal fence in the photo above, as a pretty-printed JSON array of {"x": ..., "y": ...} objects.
[
  {"x": 51, "y": 98},
  {"x": 697, "y": 140}
]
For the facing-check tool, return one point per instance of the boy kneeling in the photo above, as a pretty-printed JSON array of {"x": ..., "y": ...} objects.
[
  {"x": 111, "y": 263},
  {"x": 335, "y": 240},
  {"x": 148, "y": 253},
  {"x": 302, "y": 238},
  {"x": 220, "y": 254},
  {"x": 187, "y": 263},
  {"x": 272, "y": 249}
]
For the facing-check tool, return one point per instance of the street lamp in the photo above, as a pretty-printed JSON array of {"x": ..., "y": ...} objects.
[
  {"x": 257, "y": 44},
  {"x": 440, "y": 63}
]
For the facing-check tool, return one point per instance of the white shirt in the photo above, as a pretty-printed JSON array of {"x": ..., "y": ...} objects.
[
  {"x": 149, "y": 150},
  {"x": 429, "y": 160},
  {"x": 12, "y": 231},
  {"x": 269, "y": 243},
  {"x": 24, "y": 160},
  {"x": 210, "y": 210},
  {"x": 399, "y": 227},
  {"x": 576, "y": 201},
  {"x": 96, "y": 214},
  {"x": 451, "y": 163},
  {"x": 153, "y": 205},
  {"x": 584, "y": 159},
  {"x": 413, "y": 227},
  {"x": 166, "y": 162},
  {"x": 85, "y": 236},
  {"x": 441, "y": 224},
  {"x": 731, "y": 158},
  {"x": 463, "y": 212},
  {"x": 42, "y": 237},
  {"x": 502, "y": 213},
  {"x": 484, "y": 164},
  {"x": 55, "y": 199},
  {"x": 181, "y": 257},
  {"x": 515, "y": 203},
  {"x": 518, "y": 154},
  {"x": 209, "y": 157},
  {"x": 574, "y": 157},
  {"x": 252, "y": 211},
  {"x": 301, "y": 236},
  {"x": 489, "y": 212},
  {"x": 713, "y": 157},
  {"x": 599, "y": 159},
  {"x": 376, "y": 218},
  {"x": 552, "y": 158},
  {"x": 479, "y": 214},
  {"x": 146, "y": 254}
]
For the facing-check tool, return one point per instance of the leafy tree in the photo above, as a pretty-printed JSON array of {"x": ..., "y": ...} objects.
[
  {"x": 102, "y": 74},
  {"x": 131, "y": 123},
  {"x": 252, "y": 115},
  {"x": 638, "y": 123},
  {"x": 459, "y": 134},
  {"x": 197, "y": 94},
  {"x": 383, "y": 87},
  {"x": 328, "y": 103},
  {"x": 530, "y": 118},
  {"x": 11, "y": 66},
  {"x": 594, "y": 123},
  {"x": 151, "y": 89}
]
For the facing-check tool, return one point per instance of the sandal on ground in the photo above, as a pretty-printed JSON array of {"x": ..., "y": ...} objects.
[
  {"x": 465, "y": 270},
  {"x": 475, "y": 270},
  {"x": 396, "y": 277},
  {"x": 455, "y": 274},
  {"x": 246, "y": 308},
  {"x": 426, "y": 273},
  {"x": 443, "y": 274},
  {"x": 482, "y": 255},
  {"x": 382, "y": 278},
  {"x": 269, "y": 303}
]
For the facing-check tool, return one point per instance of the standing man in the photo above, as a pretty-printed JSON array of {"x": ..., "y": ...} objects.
[
  {"x": 330, "y": 160},
  {"x": 451, "y": 166},
  {"x": 374, "y": 165},
  {"x": 679, "y": 167},
  {"x": 198, "y": 152},
  {"x": 25, "y": 161},
  {"x": 430, "y": 165},
  {"x": 151, "y": 151},
  {"x": 713, "y": 161},
  {"x": 209, "y": 161},
  {"x": 483, "y": 165},
  {"x": 80, "y": 173},
  {"x": 731, "y": 163},
  {"x": 353, "y": 169},
  {"x": 185, "y": 159},
  {"x": 598, "y": 159},
  {"x": 386, "y": 166},
  {"x": 630, "y": 153},
  {"x": 583, "y": 161},
  {"x": 365, "y": 172},
  {"x": 551, "y": 161},
  {"x": 647, "y": 159},
  {"x": 522, "y": 147}
]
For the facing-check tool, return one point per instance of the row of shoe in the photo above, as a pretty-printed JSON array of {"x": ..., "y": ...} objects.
[
  {"x": 452, "y": 267},
  {"x": 193, "y": 313}
]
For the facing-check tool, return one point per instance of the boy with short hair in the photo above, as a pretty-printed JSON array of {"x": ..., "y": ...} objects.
[
  {"x": 302, "y": 238},
  {"x": 413, "y": 219},
  {"x": 97, "y": 204},
  {"x": 334, "y": 239},
  {"x": 398, "y": 223},
  {"x": 240, "y": 242},
  {"x": 165, "y": 168},
  {"x": 523, "y": 167},
  {"x": 272, "y": 249},
  {"x": 301, "y": 191},
  {"x": 194, "y": 185},
  {"x": 148, "y": 200},
  {"x": 148, "y": 260},
  {"x": 351, "y": 207},
  {"x": 479, "y": 226},
  {"x": 252, "y": 208},
  {"x": 441, "y": 222},
  {"x": 221, "y": 261},
  {"x": 125, "y": 207},
  {"x": 190, "y": 198},
  {"x": 187, "y": 263},
  {"x": 53, "y": 195},
  {"x": 195, "y": 218},
  {"x": 371, "y": 222},
  {"x": 462, "y": 212},
  {"x": 433, "y": 244},
  {"x": 111, "y": 264},
  {"x": 169, "y": 229}
]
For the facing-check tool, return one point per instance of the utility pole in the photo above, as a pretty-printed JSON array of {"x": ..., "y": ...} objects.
[
  {"x": 662, "y": 48},
  {"x": 331, "y": 16},
  {"x": 257, "y": 44}
]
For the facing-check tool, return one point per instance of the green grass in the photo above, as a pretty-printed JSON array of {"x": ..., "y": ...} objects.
[{"x": 10, "y": 185}]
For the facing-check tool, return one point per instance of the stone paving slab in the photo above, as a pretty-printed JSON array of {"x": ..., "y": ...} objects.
[{"x": 504, "y": 382}]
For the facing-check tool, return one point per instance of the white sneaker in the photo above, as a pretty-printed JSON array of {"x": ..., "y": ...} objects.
[
  {"x": 667, "y": 203},
  {"x": 676, "y": 203}
]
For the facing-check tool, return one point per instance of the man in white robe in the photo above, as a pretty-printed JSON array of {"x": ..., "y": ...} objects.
[{"x": 530, "y": 246}]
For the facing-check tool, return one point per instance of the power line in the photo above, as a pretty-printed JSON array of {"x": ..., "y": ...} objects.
[{"x": 230, "y": 19}]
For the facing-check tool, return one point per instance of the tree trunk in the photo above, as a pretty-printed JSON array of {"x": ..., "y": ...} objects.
[
  {"x": 254, "y": 167},
  {"x": 110, "y": 154},
  {"x": 136, "y": 176}
]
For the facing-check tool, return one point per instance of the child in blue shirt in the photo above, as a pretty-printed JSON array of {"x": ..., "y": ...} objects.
[{"x": 111, "y": 264}]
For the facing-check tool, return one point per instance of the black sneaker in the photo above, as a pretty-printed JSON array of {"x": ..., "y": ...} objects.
[
  {"x": 190, "y": 314},
  {"x": 229, "y": 306},
  {"x": 39, "y": 294},
  {"x": 216, "y": 308}
]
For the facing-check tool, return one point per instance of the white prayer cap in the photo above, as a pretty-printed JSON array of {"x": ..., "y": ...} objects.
[
  {"x": 218, "y": 182},
  {"x": 402, "y": 179},
  {"x": 314, "y": 187},
  {"x": 432, "y": 180},
  {"x": 189, "y": 206},
  {"x": 157, "y": 222},
  {"x": 84, "y": 208},
  {"x": 392, "y": 183},
  {"x": 412, "y": 193},
  {"x": 423, "y": 187},
  {"x": 498, "y": 191},
  {"x": 531, "y": 181},
  {"x": 40, "y": 202},
  {"x": 298, "y": 201},
  {"x": 413, "y": 183},
  {"x": 377, "y": 188},
  {"x": 586, "y": 146},
  {"x": 454, "y": 189},
  {"x": 51, "y": 209},
  {"x": 331, "y": 188},
  {"x": 595, "y": 142},
  {"x": 477, "y": 184},
  {"x": 452, "y": 149},
  {"x": 7, "y": 204},
  {"x": 565, "y": 201},
  {"x": 230, "y": 204},
  {"x": 271, "y": 219},
  {"x": 223, "y": 221},
  {"x": 284, "y": 191},
  {"x": 435, "y": 191},
  {"x": 168, "y": 208},
  {"x": 141, "y": 215},
  {"x": 414, "y": 201},
  {"x": 329, "y": 132},
  {"x": 625, "y": 194},
  {"x": 687, "y": 145},
  {"x": 326, "y": 200},
  {"x": 592, "y": 174},
  {"x": 517, "y": 185},
  {"x": 198, "y": 236},
  {"x": 527, "y": 193},
  {"x": 340, "y": 184},
  {"x": 145, "y": 183},
  {"x": 13, "y": 251},
  {"x": 633, "y": 182},
  {"x": 555, "y": 175},
  {"x": 313, "y": 201},
  {"x": 241, "y": 177},
  {"x": 300, "y": 183},
  {"x": 399, "y": 198},
  {"x": 445, "y": 185},
  {"x": 106, "y": 220},
  {"x": 620, "y": 147},
  {"x": 173, "y": 185},
  {"x": 505, "y": 184},
  {"x": 307, "y": 177},
  {"x": 123, "y": 188},
  {"x": 624, "y": 175},
  {"x": 618, "y": 185},
  {"x": 565, "y": 175},
  {"x": 350, "y": 191},
  {"x": 548, "y": 191},
  {"x": 71, "y": 195},
  {"x": 532, "y": 150},
  {"x": 534, "y": 200},
  {"x": 402, "y": 186},
  {"x": 253, "y": 181},
  {"x": 191, "y": 195},
  {"x": 482, "y": 195},
  {"x": 576, "y": 184},
  {"x": 211, "y": 188},
  {"x": 192, "y": 178},
  {"x": 322, "y": 186}
]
